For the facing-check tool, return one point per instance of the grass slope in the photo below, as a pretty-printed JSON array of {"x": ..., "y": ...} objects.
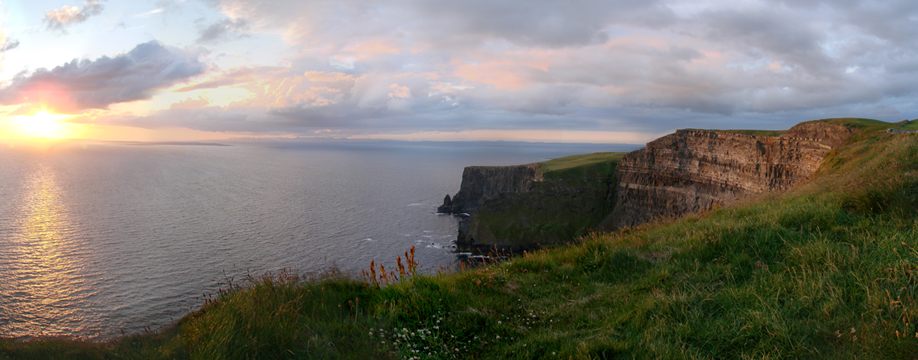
[
  {"x": 828, "y": 270},
  {"x": 757, "y": 132},
  {"x": 854, "y": 122},
  {"x": 596, "y": 164}
]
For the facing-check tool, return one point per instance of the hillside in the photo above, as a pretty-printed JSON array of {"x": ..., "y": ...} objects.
[{"x": 825, "y": 269}]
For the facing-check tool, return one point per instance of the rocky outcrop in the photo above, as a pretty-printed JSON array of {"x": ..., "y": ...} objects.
[
  {"x": 692, "y": 170},
  {"x": 483, "y": 182},
  {"x": 899, "y": 131}
]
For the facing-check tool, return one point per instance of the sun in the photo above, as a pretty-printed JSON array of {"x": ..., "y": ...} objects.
[{"x": 42, "y": 125}]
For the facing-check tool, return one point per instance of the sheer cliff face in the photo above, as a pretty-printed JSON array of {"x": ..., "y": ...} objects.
[
  {"x": 484, "y": 182},
  {"x": 514, "y": 208},
  {"x": 691, "y": 170}
]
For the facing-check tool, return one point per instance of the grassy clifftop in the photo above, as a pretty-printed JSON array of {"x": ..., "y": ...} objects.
[
  {"x": 597, "y": 164},
  {"x": 826, "y": 270}
]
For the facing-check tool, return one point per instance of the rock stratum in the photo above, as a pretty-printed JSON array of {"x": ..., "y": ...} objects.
[
  {"x": 519, "y": 207},
  {"x": 693, "y": 170}
]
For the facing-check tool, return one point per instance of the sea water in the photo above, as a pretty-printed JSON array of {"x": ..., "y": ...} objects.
[{"x": 103, "y": 239}]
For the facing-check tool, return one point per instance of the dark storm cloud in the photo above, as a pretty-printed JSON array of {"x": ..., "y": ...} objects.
[{"x": 96, "y": 84}]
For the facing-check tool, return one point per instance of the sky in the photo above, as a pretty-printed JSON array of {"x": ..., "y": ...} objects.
[{"x": 606, "y": 71}]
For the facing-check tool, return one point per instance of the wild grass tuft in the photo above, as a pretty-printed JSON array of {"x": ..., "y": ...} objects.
[{"x": 284, "y": 315}]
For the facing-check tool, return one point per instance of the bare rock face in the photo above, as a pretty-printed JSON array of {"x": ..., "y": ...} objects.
[
  {"x": 833, "y": 135},
  {"x": 483, "y": 182},
  {"x": 691, "y": 170}
]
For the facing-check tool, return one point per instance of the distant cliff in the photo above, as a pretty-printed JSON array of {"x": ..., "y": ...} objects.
[
  {"x": 483, "y": 182},
  {"x": 691, "y": 170},
  {"x": 514, "y": 208}
]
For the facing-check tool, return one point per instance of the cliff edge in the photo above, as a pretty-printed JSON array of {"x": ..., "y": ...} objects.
[
  {"x": 483, "y": 182},
  {"x": 692, "y": 170}
]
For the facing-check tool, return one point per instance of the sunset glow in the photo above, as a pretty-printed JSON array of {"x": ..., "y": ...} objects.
[
  {"x": 384, "y": 69},
  {"x": 43, "y": 124}
]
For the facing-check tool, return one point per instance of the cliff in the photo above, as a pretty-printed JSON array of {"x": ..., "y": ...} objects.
[
  {"x": 692, "y": 170},
  {"x": 520, "y": 207},
  {"x": 514, "y": 208},
  {"x": 483, "y": 182}
]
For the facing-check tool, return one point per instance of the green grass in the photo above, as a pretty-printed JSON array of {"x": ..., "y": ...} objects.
[
  {"x": 756, "y": 132},
  {"x": 907, "y": 125},
  {"x": 286, "y": 316},
  {"x": 165, "y": 344},
  {"x": 852, "y": 122},
  {"x": 580, "y": 161},
  {"x": 827, "y": 270},
  {"x": 856, "y": 122}
]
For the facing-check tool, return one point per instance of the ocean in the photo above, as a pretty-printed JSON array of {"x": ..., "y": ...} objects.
[{"x": 103, "y": 239}]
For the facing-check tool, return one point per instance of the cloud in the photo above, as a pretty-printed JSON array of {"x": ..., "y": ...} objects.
[
  {"x": 226, "y": 29},
  {"x": 213, "y": 84},
  {"x": 149, "y": 13},
  {"x": 210, "y": 118},
  {"x": 403, "y": 65},
  {"x": 450, "y": 23},
  {"x": 168, "y": 6},
  {"x": 191, "y": 103},
  {"x": 541, "y": 23},
  {"x": 777, "y": 34},
  {"x": 96, "y": 84},
  {"x": 61, "y": 18},
  {"x": 9, "y": 45}
]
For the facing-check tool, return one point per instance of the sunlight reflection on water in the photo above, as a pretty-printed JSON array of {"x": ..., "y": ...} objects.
[{"x": 41, "y": 271}]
